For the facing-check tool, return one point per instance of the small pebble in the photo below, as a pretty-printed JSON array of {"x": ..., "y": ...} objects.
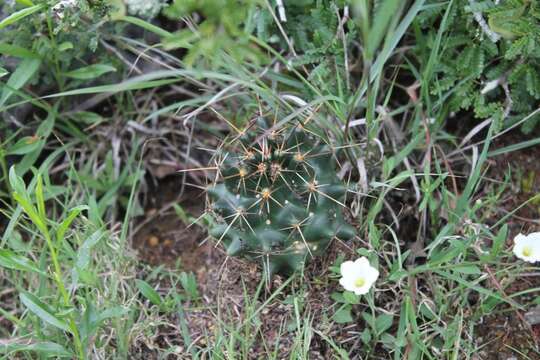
[
  {"x": 153, "y": 241},
  {"x": 167, "y": 242}
]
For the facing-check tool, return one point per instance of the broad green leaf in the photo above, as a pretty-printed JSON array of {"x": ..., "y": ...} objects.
[
  {"x": 383, "y": 323},
  {"x": 42, "y": 311},
  {"x": 148, "y": 292},
  {"x": 351, "y": 298},
  {"x": 90, "y": 72},
  {"x": 3, "y": 72},
  {"x": 343, "y": 315},
  {"x": 10, "y": 260}
]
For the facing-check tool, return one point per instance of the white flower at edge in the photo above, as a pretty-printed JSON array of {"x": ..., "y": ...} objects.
[
  {"x": 527, "y": 247},
  {"x": 358, "y": 276}
]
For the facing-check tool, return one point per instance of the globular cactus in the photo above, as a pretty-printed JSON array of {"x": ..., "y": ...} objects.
[{"x": 277, "y": 197}]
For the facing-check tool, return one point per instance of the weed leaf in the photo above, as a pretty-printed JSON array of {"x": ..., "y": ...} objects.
[{"x": 42, "y": 311}]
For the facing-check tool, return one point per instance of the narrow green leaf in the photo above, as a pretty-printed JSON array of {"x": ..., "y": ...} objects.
[
  {"x": 386, "y": 11},
  {"x": 31, "y": 211},
  {"x": 148, "y": 292},
  {"x": 18, "y": 15},
  {"x": 16, "y": 182},
  {"x": 42, "y": 310},
  {"x": 66, "y": 45},
  {"x": 467, "y": 269},
  {"x": 24, "y": 72},
  {"x": 73, "y": 213},
  {"x": 46, "y": 348},
  {"x": 498, "y": 242},
  {"x": 146, "y": 25},
  {"x": 83, "y": 255},
  {"x": 40, "y": 200},
  {"x": 10, "y": 260},
  {"x": 17, "y": 51},
  {"x": 113, "y": 312},
  {"x": 25, "y": 2},
  {"x": 90, "y": 72},
  {"x": 24, "y": 146},
  {"x": 514, "y": 147}
]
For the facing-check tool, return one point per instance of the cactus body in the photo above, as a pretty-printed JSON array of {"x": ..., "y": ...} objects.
[{"x": 277, "y": 198}]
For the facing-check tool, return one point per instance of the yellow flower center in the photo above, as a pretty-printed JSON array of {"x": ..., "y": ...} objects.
[
  {"x": 360, "y": 282},
  {"x": 527, "y": 251}
]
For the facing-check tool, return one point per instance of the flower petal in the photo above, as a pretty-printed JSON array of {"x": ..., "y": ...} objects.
[
  {"x": 362, "y": 290},
  {"x": 371, "y": 275},
  {"x": 347, "y": 268},
  {"x": 519, "y": 238},
  {"x": 361, "y": 262},
  {"x": 348, "y": 283}
]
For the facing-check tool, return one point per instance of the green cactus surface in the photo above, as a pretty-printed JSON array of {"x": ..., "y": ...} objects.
[{"x": 277, "y": 197}]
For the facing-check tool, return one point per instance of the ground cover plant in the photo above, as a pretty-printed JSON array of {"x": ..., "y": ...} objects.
[{"x": 258, "y": 179}]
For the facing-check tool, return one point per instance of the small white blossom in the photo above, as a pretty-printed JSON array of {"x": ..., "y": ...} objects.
[
  {"x": 358, "y": 276},
  {"x": 527, "y": 247},
  {"x": 147, "y": 9}
]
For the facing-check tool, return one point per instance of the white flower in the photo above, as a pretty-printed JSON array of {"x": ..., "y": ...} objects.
[
  {"x": 147, "y": 9},
  {"x": 527, "y": 247},
  {"x": 358, "y": 276}
]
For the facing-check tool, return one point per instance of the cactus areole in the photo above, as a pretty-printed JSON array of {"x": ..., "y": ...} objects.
[{"x": 277, "y": 197}]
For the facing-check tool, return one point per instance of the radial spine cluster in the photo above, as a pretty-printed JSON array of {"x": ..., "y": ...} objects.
[{"x": 277, "y": 197}]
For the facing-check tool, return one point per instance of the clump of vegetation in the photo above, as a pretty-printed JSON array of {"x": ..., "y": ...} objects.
[
  {"x": 220, "y": 26},
  {"x": 278, "y": 198},
  {"x": 370, "y": 212},
  {"x": 489, "y": 57}
]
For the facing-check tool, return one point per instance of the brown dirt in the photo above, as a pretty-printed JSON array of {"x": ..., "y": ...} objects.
[{"x": 162, "y": 237}]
